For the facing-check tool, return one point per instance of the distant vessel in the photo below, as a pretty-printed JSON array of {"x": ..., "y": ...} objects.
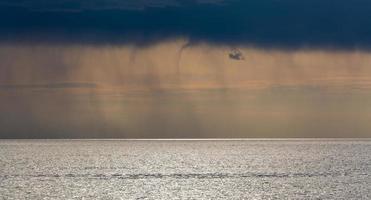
[{"x": 236, "y": 54}]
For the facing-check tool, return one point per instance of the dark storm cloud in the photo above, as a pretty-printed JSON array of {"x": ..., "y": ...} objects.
[
  {"x": 80, "y": 5},
  {"x": 263, "y": 23}
]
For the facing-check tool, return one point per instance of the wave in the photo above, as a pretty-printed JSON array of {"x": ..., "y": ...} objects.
[{"x": 179, "y": 175}]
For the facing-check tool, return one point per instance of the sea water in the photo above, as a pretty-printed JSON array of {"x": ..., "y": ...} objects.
[{"x": 185, "y": 169}]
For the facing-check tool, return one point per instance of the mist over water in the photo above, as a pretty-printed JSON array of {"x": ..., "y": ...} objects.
[{"x": 182, "y": 89}]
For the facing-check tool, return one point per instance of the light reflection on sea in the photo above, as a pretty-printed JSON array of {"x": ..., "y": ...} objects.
[{"x": 185, "y": 169}]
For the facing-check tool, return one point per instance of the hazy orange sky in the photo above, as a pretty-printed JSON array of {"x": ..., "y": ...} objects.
[{"x": 164, "y": 90}]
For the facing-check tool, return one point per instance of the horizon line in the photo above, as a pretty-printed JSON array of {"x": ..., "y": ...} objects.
[{"x": 191, "y": 139}]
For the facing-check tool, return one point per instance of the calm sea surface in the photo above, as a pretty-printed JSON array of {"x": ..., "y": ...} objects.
[{"x": 249, "y": 169}]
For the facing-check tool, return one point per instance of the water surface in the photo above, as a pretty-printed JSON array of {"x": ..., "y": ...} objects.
[{"x": 185, "y": 169}]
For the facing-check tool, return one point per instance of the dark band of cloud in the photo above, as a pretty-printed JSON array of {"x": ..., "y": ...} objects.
[{"x": 263, "y": 23}]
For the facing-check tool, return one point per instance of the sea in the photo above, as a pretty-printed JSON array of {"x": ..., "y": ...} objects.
[{"x": 186, "y": 169}]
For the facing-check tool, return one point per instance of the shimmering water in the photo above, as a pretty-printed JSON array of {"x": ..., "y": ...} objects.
[{"x": 249, "y": 169}]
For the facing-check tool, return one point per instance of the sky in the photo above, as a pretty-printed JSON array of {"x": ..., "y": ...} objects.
[{"x": 185, "y": 68}]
